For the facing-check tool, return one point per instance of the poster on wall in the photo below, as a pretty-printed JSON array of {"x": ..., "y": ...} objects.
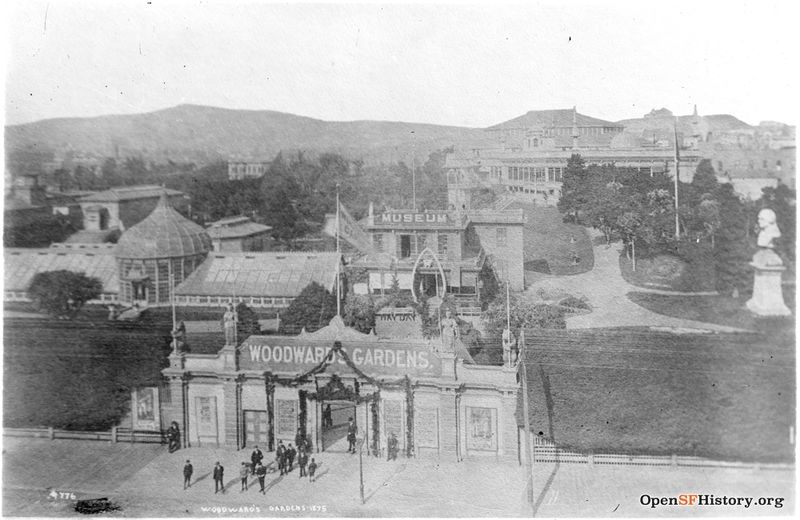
[
  {"x": 393, "y": 417},
  {"x": 481, "y": 429},
  {"x": 286, "y": 421},
  {"x": 206, "y": 415},
  {"x": 427, "y": 432},
  {"x": 145, "y": 408}
]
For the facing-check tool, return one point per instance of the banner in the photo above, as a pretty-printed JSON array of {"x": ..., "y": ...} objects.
[{"x": 349, "y": 230}]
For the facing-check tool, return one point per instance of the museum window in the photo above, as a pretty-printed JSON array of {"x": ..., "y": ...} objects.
[
  {"x": 405, "y": 246},
  {"x": 442, "y": 245},
  {"x": 377, "y": 242},
  {"x": 501, "y": 237}
]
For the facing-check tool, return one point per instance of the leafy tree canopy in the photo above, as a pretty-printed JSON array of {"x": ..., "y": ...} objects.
[
  {"x": 313, "y": 308},
  {"x": 63, "y": 293}
]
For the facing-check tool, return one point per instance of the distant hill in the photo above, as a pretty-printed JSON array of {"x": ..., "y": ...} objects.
[
  {"x": 200, "y": 133},
  {"x": 664, "y": 121}
]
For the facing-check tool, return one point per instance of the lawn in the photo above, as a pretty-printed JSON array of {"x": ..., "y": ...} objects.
[
  {"x": 721, "y": 310},
  {"x": 550, "y": 243},
  {"x": 668, "y": 272},
  {"x": 635, "y": 391}
]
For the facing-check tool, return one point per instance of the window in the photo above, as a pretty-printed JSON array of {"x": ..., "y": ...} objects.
[
  {"x": 442, "y": 245},
  {"x": 405, "y": 246},
  {"x": 501, "y": 237},
  {"x": 422, "y": 241},
  {"x": 535, "y": 143},
  {"x": 539, "y": 174},
  {"x": 377, "y": 242}
]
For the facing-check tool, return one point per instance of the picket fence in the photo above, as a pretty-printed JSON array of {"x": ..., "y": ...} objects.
[
  {"x": 546, "y": 451},
  {"x": 114, "y": 435}
]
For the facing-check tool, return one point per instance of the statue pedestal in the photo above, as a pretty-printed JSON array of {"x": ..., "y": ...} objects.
[{"x": 767, "y": 297}]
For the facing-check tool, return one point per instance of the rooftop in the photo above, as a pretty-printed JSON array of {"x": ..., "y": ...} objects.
[
  {"x": 235, "y": 227},
  {"x": 552, "y": 118},
  {"x": 165, "y": 233},
  {"x": 130, "y": 193},
  {"x": 21, "y": 265},
  {"x": 272, "y": 274}
]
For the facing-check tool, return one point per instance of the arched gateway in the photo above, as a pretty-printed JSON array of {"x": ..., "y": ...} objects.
[{"x": 279, "y": 388}]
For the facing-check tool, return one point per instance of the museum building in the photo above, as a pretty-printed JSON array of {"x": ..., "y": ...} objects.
[
  {"x": 430, "y": 396},
  {"x": 445, "y": 252}
]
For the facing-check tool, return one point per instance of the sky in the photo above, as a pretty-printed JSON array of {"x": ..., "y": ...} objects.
[{"x": 452, "y": 63}]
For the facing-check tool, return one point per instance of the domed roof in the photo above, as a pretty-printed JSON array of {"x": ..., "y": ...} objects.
[{"x": 165, "y": 233}]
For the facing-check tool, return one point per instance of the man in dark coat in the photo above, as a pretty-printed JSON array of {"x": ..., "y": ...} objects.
[
  {"x": 302, "y": 461},
  {"x": 312, "y": 468},
  {"x": 187, "y": 475},
  {"x": 261, "y": 474},
  {"x": 218, "y": 476},
  {"x": 290, "y": 455},
  {"x": 256, "y": 458},
  {"x": 352, "y": 429},
  {"x": 280, "y": 457},
  {"x": 392, "y": 447}
]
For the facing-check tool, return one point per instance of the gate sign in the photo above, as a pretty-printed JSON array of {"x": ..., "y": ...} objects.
[{"x": 297, "y": 355}]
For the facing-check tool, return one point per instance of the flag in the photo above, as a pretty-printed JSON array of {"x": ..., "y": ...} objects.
[{"x": 349, "y": 230}]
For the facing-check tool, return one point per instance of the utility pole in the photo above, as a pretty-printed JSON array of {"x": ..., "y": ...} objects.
[
  {"x": 529, "y": 443},
  {"x": 361, "y": 467},
  {"x": 677, "y": 175},
  {"x": 338, "y": 255}
]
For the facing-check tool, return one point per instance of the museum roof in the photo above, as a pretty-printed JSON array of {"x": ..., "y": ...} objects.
[
  {"x": 273, "y": 274},
  {"x": 21, "y": 265},
  {"x": 165, "y": 233},
  {"x": 130, "y": 193}
]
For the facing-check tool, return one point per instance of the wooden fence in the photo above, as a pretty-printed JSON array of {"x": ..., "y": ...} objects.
[
  {"x": 114, "y": 435},
  {"x": 548, "y": 452}
]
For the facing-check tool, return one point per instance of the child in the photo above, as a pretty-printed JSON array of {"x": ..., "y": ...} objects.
[{"x": 312, "y": 468}]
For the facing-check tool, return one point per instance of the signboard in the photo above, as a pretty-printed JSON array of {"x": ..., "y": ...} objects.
[
  {"x": 398, "y": 322},
  {"x": 206, "y": 416},
  {"x": 393, "y": 417},
  {"x": 415, "y": 218},
  {"x": 145, "y": 409},
  {"x": 427, "y": 427},
  {"x": 481, "y": 429},
  {"x": 286, "y": 417},
  {"x": 292, "y": 354}
]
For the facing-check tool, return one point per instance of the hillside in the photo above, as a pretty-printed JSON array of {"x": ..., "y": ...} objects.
[
  {"x": 714, "y": 123},
  {"x": 198, "y": 133}
]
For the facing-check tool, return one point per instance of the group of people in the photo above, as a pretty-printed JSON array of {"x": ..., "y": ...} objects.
[{"x": 284, "y": 458}]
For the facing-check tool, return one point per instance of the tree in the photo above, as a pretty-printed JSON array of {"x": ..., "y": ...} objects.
[
  {"x": 359, "y": 312},
  {"x": 63, "y": 293},
  {"x": 782, "y": 200},
  {"x": 247, "y": 321},
  {"x": 313, "y": 308},
  {"x": 574, "y": 191},
  {"x": 524, "y": 314}
]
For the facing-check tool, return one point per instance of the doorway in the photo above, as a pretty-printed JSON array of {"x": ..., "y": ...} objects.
[
  {"x": 256, "y": 428},
  {"x": 335, "y": 416},
  {"x": 405, "y": 246}
]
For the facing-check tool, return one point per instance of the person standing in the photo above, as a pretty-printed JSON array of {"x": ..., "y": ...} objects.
[
  {"x": 392, "y": 447},
  {"x": 244, "y": 472},
  {"x": 290, "y": 455},
  {"x": 312, "y": 468},
  {"x": 187, "y": 475},
  {"x": 261, "y": 474},
  {"x": 302, "y": 461},
  {"x": 256, "y": 458},
  {"x": 352, "y": 429},
  {"x": 218, "y": 477},
  {"x": 280, "y": 457}
]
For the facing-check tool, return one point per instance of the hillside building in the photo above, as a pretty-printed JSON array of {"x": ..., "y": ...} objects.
[
  {"x": 239, "y": 170},
  {"x": 239, "y": 234},
  {"x": 125, "y": 206}
]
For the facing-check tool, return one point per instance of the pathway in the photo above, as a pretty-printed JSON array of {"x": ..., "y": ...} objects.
[{"x": 607, "y": 291}]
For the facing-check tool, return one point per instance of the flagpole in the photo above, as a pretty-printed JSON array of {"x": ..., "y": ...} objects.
[
  {"x": 677, "y": 174},
  {"x": 172, "y": 298},
  {"x": 413, "y": 182},
  {"x": 508, "y": 306},
  {"x": 338, "y": 257}
]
